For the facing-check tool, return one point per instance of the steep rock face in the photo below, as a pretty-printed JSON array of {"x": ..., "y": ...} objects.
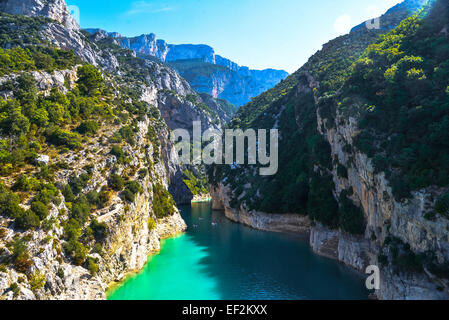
[
  {"x": 168, "y": 91},
  {"x": 130, "y": 239},
  {"x": 161, "y": 86},
  {"x": 293, "y": 223},
  {"x": 147, "y": 45},
  {"x": 206, "y": 71},
  {"x": 127, "y": 245},
  {"x": 237, "y": 85},
  {"x": 54, "y": 9},
  {"x": 387, "y": 219},
  {"x": 72, "y": 39},
  {"x": 190, "y": 52},
  {"x": 45, "y": 81},
  {"x": 385, "y": 216}
]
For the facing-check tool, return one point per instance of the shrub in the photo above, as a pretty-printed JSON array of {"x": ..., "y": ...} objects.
[
  {"x": 68, "y": 193},
  {"x": 48, "y": 193},
  {"x": 9, "y": 203},
  {"x": 90, "y": 81},
  {"x": 104, "y": 197},
  {"x": 342, "y": 171},
  {"x": 80, "y": 254},
  {"x": 77, "y": 250},
  {"x": 163, "y": 203},
  {"x": 143, "y": 173},
  {"x": 197, "y": 185},
  {"x": 118, "y": 153},
  {"x": 442, "y": 206},
  {"x": 37, "y": 280},
  {"x": 27, "y": 220},
  {"x": 100, "y": 230},
  {"x": 116, "y": 182},
  {"x": 92, "y": 266},
  {"x": 15, "y": 289},
  {"x": 60, "y": 137},
  {"x": 134, "y": 187},
  {"x": 80, "y": 210},
  {"x": 88, "y": 128},
  {"x": 352, "y": 219},
  {"x": 40, "y": 209},
  {"x": 128, "y": 134},
  {"x": 151, "y": 224},
  {"x": 60, "y": 273},
  {"x": 383, "y": 259},
  {"x": 322, "y": 206},
  {"x": 21, "y": 256},
  {"x": 128, "y": 195},
  {"x": 72, "y": 230},
  {"x": 26, "y": 184},
  {"x": 79, "y": 183},
  {"x": 93, "y": 198}
]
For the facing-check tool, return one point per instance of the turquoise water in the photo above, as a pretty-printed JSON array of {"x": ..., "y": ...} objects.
[{"x": 230, "y": 261}]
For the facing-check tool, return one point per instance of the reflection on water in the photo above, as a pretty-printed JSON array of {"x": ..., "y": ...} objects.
[{"x": 219, "y": 259}]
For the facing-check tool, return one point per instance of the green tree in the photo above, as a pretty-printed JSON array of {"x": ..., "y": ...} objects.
[
  {"x": 116, "y": 182},
  {"x": 90, "y": 81}
]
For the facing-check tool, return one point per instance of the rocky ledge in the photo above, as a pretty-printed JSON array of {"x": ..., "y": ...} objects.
[
  {"x": 356, "y": 252},
  {"x": 293, "y": 223}
]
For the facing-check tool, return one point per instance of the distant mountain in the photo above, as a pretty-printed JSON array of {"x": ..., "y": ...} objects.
[{"x": 206, "y": 71}]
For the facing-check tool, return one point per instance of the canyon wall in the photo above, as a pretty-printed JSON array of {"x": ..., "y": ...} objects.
[{"x": 206, "y": 71}]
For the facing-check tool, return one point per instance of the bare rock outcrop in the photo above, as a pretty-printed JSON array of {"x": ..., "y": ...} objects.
[{"x": 54, "y": 9}]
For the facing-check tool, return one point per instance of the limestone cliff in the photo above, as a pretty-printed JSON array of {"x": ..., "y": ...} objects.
[
  {"x": 323, "y": 174},
  {"x": 206, "y": 71},
  {"x": 129, "y": 239},
  {"x": 387, "y": 217},
  {"x": 118, "y": 223},
  {"x": 126, "y": 247},
  {"x": 54, "y": 9}
]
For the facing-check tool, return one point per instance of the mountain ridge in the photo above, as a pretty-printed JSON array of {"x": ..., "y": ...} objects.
[{"x": 237, "y": 84}]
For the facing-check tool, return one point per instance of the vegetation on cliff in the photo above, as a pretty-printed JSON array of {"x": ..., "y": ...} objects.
[
  {"x": 37, "y": 128},
  {"x": 392, "y": 86},
  {"x": 402, "y": 81},
  {"x": 400, "y": 77}
]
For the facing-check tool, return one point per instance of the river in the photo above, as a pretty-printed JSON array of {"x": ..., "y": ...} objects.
[{"x": 233, "y": 262}]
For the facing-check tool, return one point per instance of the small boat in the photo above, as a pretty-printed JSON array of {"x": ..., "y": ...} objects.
[
  {"x": 214, "y": 224},
  {"x": 195, "y": 226}
]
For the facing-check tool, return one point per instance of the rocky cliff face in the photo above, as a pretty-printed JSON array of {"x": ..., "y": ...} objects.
[
  {"x": 237, "y": 85},
  {"x": 388, "y": 228},
  {"x": 386, "y": 217},
  {"x": 205, "y": 71},
  {"x": 54, "y": 9},
  {"x": 126, "y": 246},
  {"x": 129, "y": 241},
  {"x": 293, "y": 223},
  {"x": 135, "y": 225}
]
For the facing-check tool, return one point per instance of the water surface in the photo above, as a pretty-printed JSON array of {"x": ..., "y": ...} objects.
[{"x": 230, "y": 261}]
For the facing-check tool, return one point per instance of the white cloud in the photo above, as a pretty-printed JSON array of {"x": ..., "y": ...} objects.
[
  {"x": 343, "y": 24},
  {"x": 141, "y": 7}
]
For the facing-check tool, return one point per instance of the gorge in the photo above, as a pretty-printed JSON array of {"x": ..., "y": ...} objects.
[
  {"x": 91, "y": 184},
  {"x": 206, "y": 71},
  {"x": 230, "y": 261}
]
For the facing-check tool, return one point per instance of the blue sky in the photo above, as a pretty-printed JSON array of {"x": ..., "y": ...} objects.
[{"x": 280, "y": 34}]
